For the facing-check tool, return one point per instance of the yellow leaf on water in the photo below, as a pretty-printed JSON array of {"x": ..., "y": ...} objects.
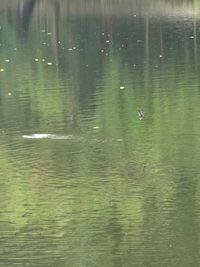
[
  {"x": 9, "y": 93},
  {"x": 2, "y": 70}
]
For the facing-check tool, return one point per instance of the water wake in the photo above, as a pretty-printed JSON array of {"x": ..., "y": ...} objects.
[{"x": 48, "y": 136}]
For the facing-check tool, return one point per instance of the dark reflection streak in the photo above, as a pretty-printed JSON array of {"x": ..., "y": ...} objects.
[
  {"x": 195, "y": 40},
  {"x": 55, "y": 31},
  {"x": 25, "y": 11},
  {"x": 114, "y": 229},
  {"x": 147, "y": 38}
]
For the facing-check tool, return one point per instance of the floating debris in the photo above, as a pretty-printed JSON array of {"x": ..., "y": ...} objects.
[
  {"x": 96, "y": 127},
  {"x": 102, "y": 50},
  {"x": 145, "y": 169},
  {"x": 107, "y": 41},
  {"x": 122, "y": 87},
  {"x": 36, "y": 59},
  {"x": 49, "y": 33},
  {"x": 161, "y": 56},
  {"x": 192, "y": 37},
  {"x": 141, "y": 114},
  {"x": 139, "y": 41},
  {"x": 49, "y": 63},
  {"x": 2, "y": 70},
  {"x": 43, "y": 60},
  {"x": 70, "y": 49},
  {"x": 7, "y": 60},
  {"x": 9, "y": 94},
  {"x": 43, "y": 30}
]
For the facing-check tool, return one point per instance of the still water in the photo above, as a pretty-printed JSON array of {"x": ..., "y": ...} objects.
[{"x": 84, "y": 180}]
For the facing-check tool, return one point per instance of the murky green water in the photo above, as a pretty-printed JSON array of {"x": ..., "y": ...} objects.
[{"x": 83, "y": 181}]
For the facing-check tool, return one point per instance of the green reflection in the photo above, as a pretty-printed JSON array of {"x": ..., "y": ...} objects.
[{"x": 110, "y": 190}]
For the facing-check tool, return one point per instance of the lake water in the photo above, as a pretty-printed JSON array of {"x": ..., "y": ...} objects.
[{"x": 99, "y": 127}]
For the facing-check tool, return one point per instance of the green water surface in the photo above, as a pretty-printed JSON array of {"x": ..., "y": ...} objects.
[{"x": 105, "y": 189}]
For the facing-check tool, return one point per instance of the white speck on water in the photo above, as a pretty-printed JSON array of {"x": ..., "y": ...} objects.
[
  {"x": 36, "y": 59},
  {"x": 122, "y": 87},
  {"x": 70, "y": 49},
  {"x": 49, "y": 63},
  {"x": 107, "y": 41},
  {"x": 49, "y": 33},
  {"x": 7, "y": 60}
]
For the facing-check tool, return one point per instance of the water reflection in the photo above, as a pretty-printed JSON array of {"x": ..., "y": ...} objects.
[{"x": 85, "y": 181}]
